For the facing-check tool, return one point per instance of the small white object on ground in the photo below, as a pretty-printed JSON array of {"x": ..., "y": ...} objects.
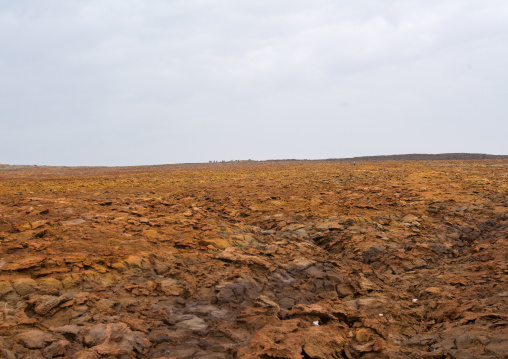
[
  {"x": 316, "y": 322},
  {"x": 380, "y": 314},
  {"x": 415, "y": 300}
]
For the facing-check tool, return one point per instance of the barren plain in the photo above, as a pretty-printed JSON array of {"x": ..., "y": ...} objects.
[{"x": 265, "y": 260}]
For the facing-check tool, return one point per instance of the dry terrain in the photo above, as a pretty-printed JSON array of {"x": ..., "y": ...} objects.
[{"x": 255, "y": 260}]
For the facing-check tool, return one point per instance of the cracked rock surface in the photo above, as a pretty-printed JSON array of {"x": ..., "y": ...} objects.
[{"x": 264, "y": 260}]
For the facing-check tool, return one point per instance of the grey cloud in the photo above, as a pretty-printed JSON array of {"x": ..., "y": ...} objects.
[{"x": 138, "y": 82}]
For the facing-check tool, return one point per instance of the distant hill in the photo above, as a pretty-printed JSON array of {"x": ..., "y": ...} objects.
[
  {"x": 426, "y": 157},
  {"x": 408, "y": 157}
]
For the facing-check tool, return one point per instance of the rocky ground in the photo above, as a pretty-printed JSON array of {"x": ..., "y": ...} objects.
[{"x": 255, "y": 260}]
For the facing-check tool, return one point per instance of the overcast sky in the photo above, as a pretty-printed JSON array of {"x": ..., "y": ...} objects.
[{"x": 129, "y": 82}]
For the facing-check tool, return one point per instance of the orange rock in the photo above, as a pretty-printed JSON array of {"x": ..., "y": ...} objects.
[{"x": 362, "y": 335}]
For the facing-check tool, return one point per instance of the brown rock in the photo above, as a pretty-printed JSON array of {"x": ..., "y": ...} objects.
[
  {"x": 56, "y": 349},
  {"x": 115, "y": 340},
  {"x": 344, "y": 290},
  {"x": 193, "y": 323},
  {"x": 96, "y": 335},
  {"x": 35, "y": 339},
  {"x": 243, "y": 289},
  {"x": 88, "y": 354},
  {"x": 51, "y": 303},
  {"x": 366, "y": 284},
  {"x": 231, "y": 255},
  {"x": 290, "y": 339},
  {"x": 7, "y": 354},
  {"x": 362, "y": 335},
  {"x": 498, "y": 345},
  {"x": 363, "y": 348},
  {"x": 70, "y": 331},
  {"x": 24, "y": 286}
]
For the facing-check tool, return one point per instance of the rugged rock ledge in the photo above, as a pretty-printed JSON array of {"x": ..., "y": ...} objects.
[{"x": 285, "y": 260}]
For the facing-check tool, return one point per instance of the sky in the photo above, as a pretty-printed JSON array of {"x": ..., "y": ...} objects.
[{"x": 133, "y": 82}]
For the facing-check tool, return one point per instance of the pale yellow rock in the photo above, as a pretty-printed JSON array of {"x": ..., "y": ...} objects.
[
  {"x": 137, "y": 262},
  {"x": 433, "y": 290},
  {"x": 366, "y": 284},
  {"x": 71, "y": 280},
  {"x": 170, "y": 286},
  {"x": 151, "y": 234},
  {"x": 267, "y": 301},
  {"x": 50, "y": 282},
  {"x": 24, "y": 227},
  {"x": 119, "y": 266},
  {"x": 219, "y": 243},
  {"x": 5, "y": 287},
  {"x": 38, "y": 224}
]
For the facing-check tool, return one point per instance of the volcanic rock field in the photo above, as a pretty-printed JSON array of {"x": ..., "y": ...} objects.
[{"x": 268, "y": 260}]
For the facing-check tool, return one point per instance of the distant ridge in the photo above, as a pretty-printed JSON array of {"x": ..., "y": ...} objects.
[
  {"x": 406, "y": 157},
  {"x": 426, "y": 157}
]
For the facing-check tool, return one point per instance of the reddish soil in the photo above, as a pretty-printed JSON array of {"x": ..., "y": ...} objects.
[{"x": 255, "y": 260}]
